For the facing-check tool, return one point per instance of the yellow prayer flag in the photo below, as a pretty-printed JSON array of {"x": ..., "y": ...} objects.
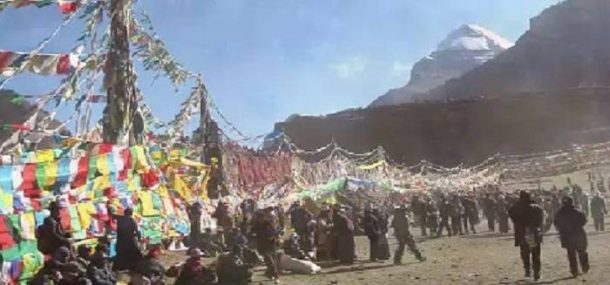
[
  {"x": 45, "y": 155},
  {"x": 102, "y": 164},
  {"x": 50, "y": 173},
  {"x": 148, "y": 208},
  {"x": 85, "y": 211}
]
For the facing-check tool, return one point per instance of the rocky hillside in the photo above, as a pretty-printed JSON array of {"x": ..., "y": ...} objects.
[{"x": 462, "y": 50}]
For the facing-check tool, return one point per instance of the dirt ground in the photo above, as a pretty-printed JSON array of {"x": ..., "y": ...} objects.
[{"x": 484, "y": 258}]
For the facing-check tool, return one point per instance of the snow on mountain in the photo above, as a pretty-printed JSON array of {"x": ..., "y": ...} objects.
[{"x": 462, "y": 50}]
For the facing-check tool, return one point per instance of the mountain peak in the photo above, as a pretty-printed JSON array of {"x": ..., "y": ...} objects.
[
  {"x": 474, "y": 37},
  {"x": 462, "y": 50}
]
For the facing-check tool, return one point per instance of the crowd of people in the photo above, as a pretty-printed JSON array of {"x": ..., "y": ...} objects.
[{"x": 300, "y": 237}]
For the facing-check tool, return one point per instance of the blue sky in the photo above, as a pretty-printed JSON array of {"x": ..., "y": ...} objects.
[{"x": 264, "y": 60}]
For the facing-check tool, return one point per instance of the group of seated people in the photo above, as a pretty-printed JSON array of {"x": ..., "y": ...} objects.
[{"x": 86, "y": 267}]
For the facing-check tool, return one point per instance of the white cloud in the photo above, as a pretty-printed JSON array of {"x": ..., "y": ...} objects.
[
  {"x": 349, "y": 68},
  {"x": 400, "y": 69}
]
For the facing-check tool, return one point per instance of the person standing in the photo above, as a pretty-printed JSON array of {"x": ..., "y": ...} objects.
[
  {"x": 570, "y": 223},
  {"x": 300, "y": 219},
  {"x": 502, "y": 214},
  {"x": 598, "y": 211},
  {"x": 489, "y": 210},
  {"x": 383, "y": 247},
  {"x": 343, "y": 230},
  {"x": 471, "y": 213},
  {"x": 528, "y": 219},
  {"x": 195, "y": 211},
  {"x": 400, "y": 223},
  {"x": 371, "y": 227},
  {"x": 457, "y": 212},
  {"x": 419, "y": 210},
  {"x": 323, "y": 235},
  {"x": 266, "y": 228},
  {"x": 444, "y": 209},
  {"x": 128, "y": 250},
  {"x": 224, "y": 220}
]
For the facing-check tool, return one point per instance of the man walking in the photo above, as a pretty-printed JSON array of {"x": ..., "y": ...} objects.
[
  {"x": 570, "y": 223},
  {"x": 598, "y": 211},
  {"x": 528, "y": 218},
  {"x": 266, "y": 228},
  {"x": 400, "y": 223}
]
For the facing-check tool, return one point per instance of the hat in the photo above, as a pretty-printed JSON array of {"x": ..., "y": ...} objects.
[
  {"x": 195, "y": 252},
  {"x": 567, "y": 201}
]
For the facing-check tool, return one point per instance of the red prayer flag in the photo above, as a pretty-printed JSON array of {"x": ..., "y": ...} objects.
[
  {"x": 68, "y": 7},
  {"x": 5, "y": 59},
  {"x": 81, "y": 173},
  {"x": 64, "y": 66},
  {"x": 126, "y": 156}
]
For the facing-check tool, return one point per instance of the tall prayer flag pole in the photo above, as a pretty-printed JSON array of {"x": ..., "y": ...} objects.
[{"x": 119, "y": 81}]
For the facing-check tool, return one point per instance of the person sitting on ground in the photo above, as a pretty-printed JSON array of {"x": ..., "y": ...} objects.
[
  {"x": 193, "y": 272},
  {"x": 292, "y": 247},
  {"x": 83, "y": 256},
  {"x": 210, "y": 246},
  {"x": 52, "y": 269},
  {"x": 149, "y": 270},
  {"x": 236, "y": 237},
  {"x": 73, "y": 274},
  {"x": 50, "y": 235},
  {"x": 99, "y": 270},
  {"x": 232, "y": 268}
]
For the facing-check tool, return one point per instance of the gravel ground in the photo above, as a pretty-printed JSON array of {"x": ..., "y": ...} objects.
[{"x": 484, "y": 258}]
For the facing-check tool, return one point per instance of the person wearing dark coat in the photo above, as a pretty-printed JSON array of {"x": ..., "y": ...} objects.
[
  {"x": 224, "y": 220},
  {"x": 598, "y": 211},
  {"x": 570, "y": 223},
  {"x": 471, "y": 213},
  {"x": 400, "y": 223},
  {"x": 232, "y": 269},
  {"x": 445, "y": 209},
  {"x": 195, "y": 211},
  {"x": 50, "y": 235},
  {"x": 431, "y": 217},
  {"x": 528, "y": 219},
  {"x": 128, "y": 252},
  {"x": 266, "y": 228},
  {"x": 372, "y": 230},
  {"x": 150, "y": 268},
  {"x": 457, "y": 212},
  {"x": 383, "y": 247},
  {"x": 99, "y": 270},
  {"x": 421, "y": 213},
  {"x": 489, "y": 210},
  {"x": 502, "y": 214},
  {"x": 300, "y": 219},
  {"x": 343, "y": 230}
]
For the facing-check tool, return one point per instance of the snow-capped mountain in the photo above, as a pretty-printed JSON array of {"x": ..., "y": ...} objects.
[{"x": 464, "y": 49}]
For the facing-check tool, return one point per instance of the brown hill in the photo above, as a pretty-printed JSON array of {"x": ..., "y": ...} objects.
[{"x": 463, "y": 132}]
